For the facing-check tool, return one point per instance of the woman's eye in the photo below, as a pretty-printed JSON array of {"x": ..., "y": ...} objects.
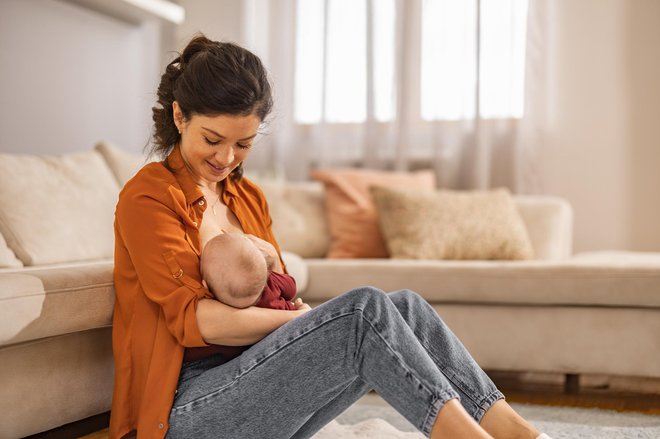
[
  {"x": 243, "y": 145},
  {"x": 210, "y": 142}
]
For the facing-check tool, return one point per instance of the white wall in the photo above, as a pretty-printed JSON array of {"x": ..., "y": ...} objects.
[
  {"x": 71, "y": 76},
  {"x": 642, "y": 21},
  {"x": 217, "y": 19},
  {"x": 602, "y": 150}
]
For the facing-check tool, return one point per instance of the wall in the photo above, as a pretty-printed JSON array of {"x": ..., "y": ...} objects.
[
  {"x": 602, "y": 145},
  {"x": 642, "y": 21},
  {"x": 217, "y": 19},
  {"x": 71, "y": 77}
]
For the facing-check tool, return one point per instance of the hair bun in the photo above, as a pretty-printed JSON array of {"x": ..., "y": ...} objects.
[{"x": 198, "y": 44}]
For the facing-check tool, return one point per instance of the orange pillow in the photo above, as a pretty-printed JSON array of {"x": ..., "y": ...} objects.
[{"x": 351, "y": 212}]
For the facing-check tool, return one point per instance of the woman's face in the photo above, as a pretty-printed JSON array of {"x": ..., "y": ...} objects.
[{"x": 213, "y": 146}]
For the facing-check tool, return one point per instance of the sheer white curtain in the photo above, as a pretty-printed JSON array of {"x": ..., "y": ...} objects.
[{"x": 395, "y": 84}]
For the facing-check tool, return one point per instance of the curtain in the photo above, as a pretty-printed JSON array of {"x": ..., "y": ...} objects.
[{"x": 444, "y": 126}]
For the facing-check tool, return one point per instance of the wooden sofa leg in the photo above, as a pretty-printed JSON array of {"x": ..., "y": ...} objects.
[{"x": 572, "y": 383}]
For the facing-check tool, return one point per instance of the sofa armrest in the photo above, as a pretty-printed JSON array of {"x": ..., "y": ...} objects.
[
  {"x": 297, "y": 268},
  {"x": 549, "y": 222}
]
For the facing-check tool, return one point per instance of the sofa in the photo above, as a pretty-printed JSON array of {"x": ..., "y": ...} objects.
[{"x": 561, "y": 312}]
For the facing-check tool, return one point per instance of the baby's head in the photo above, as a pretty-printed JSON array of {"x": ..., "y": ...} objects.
[{"x": 234, "y": 269}]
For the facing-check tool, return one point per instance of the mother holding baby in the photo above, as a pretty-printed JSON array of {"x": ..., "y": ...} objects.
[{"x": 190, "y": 366}]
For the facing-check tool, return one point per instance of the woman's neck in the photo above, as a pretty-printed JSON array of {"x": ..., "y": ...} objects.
[{"x": 210, "y": 189}]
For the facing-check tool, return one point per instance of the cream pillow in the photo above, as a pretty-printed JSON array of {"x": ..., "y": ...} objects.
[
  {"x": 452, "y": 224},
  {"x": 354, "y": 231},
  {"x": 123, "y": 164},
  {"x": 298, "y": 214},
  {"x": 7, "y": 257},
  {"x": 57, "y": 209}
]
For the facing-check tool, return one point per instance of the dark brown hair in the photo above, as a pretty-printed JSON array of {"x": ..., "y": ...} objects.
[{"x": 209, "y": 78}]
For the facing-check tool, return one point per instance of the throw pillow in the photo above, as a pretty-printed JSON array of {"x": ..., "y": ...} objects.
[
  {"x": 452, "y": 224},
  {"x": 352, "y": 219},
  {"x": 57, "y": 209},
  {"x": 123, "y": 164},
  {"x": 298, "y": 215}
]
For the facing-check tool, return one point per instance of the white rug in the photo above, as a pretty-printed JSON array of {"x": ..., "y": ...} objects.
[
  {"x": 372, "y": 418},
  {"x": 373, "y": 428}
]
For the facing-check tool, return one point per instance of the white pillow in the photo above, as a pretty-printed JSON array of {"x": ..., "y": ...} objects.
[
  {"x": 123, "y": 164},
  {"x": 7, "y": 257},
  {"x": 57, "y": 209}
]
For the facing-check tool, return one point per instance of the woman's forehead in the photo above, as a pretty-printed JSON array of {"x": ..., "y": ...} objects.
[{"x": 227, "y": 125}]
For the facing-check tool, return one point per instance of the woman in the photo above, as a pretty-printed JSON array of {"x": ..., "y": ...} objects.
[{"x": 179, "y": 370}]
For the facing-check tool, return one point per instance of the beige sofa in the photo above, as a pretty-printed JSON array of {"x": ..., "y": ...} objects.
[{"x": 596, "y": 313}]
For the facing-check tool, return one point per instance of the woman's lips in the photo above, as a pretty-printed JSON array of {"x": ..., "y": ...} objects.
[{"x": 217, "y": 170}]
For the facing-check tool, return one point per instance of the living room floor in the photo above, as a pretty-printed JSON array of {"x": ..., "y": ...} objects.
[{"x": 631, "y": 395}]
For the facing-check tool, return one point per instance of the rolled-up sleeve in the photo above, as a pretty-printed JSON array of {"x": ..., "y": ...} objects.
[{"x": 154, "y": 234}]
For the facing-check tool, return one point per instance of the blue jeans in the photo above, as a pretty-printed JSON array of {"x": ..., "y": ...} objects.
[{"x": 303, "y": 375}]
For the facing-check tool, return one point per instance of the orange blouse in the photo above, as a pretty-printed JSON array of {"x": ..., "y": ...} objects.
[{"x": 158, "y": 285}]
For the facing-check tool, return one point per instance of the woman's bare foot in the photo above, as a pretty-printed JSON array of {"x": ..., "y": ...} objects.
[
  {"x": 501, "y": 421},
  {"x": 453, "y": 422}
]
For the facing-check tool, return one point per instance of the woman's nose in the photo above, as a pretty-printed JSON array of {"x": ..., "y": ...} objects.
[{"x": 225, "y": 155}]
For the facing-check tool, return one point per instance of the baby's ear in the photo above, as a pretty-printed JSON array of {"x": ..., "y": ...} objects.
[{"x": 205, "y": 284}]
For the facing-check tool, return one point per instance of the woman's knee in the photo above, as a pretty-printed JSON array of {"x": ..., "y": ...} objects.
[
  {"x": 364, "y": 297},
  {"x": 366, "y": 293},
  {"x": 410, "y": 303},
  {"x": 406, "y": 297}
]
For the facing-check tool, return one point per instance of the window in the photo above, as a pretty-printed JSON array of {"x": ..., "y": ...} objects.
[{"x": 332, "y": 59}]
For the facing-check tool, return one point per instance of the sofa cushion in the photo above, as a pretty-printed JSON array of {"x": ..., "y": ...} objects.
[
  {"x": 7, "y": 257},
  {"x": 61, "y": 299},
  {"x": 629, "y": 282},
  {"x": 298, "y": 214},
  {"x": 350, "y": 210},
  {"x": 57, "y": 209},
  {"x": 123, "y": 164},
  {"x": 451, "y": 224}
]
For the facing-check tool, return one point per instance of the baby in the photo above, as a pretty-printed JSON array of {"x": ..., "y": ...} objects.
[{"x": 235, "y": 270}]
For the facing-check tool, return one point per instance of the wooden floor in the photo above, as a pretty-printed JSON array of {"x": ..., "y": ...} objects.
[
  {"x": 103, "y": 434},
  {"x": 603, "y": 395},
  {"x": 516, "y": 387}
]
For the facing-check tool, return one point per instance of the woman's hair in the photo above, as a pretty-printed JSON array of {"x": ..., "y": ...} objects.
[{"x": 209, "y": 78}]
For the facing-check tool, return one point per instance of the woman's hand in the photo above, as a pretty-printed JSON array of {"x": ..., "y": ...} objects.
[{"x": 269, "y": 252}]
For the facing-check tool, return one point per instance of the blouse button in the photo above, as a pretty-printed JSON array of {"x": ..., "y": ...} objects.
[
  {"x": 161, "y": 426},
  {"x": 201, "y": 202}
]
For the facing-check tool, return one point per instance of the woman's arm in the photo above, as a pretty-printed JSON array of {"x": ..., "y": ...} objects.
[{"x": 224, "y": 325}]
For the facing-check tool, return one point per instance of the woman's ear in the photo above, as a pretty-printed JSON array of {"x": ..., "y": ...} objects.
[{"x": 177, "y": 115}]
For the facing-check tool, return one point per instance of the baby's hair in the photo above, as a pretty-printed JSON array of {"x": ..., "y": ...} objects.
[{"x": 233, "y": 267}]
